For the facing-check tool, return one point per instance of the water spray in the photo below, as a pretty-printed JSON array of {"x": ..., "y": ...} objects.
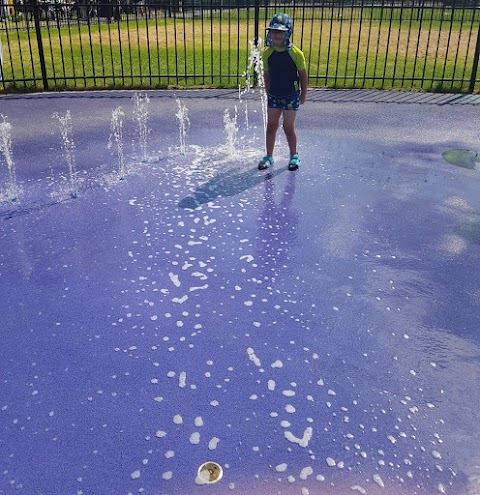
[
  {"x": 231, "y": 128},
  {"x": 68, "y": 147},
  {"x": 254, "y": 78},
  {"x": 116, "y": 126},
  {"x": 6, "y": 151},
  {"x": 140, "y": 113},
  {"x": 183, "y": 124}
]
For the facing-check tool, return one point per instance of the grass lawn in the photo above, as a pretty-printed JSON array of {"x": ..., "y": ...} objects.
[{"x": 348, "y": 48}]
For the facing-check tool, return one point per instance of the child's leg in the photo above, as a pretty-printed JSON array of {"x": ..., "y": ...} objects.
[
  {"x": 273, "y": 121},
  {"x": 289, "y": 117}
]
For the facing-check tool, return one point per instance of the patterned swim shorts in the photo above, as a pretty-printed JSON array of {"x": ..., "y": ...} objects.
[{"x": 291, "y": 102}]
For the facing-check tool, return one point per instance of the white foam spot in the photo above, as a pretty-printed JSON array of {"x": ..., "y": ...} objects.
[
  {"x": 306, "y": 472},
  {"x": 281, "y": 468},
  {"x": 304, "y": 441},
  {"x": 180, "y": 300},
  {"x": 182, "y": 382},
  {"x": 167, "y": 475},
  {"x": 198, "y": 421},
  {"x": 177, "y": 419},
  {"x": 212, "y": 445},
  {"x": 271, "y": 385},
  {"x": 195, "y": 438},
  {"x": 175, "y": 280},
  {"x": 248, "y": 257},
  {"x": 378, "y": 480},
  {"x": 199, "y": 275},
  {"x": 202, "y": 478},
  {"x": 331, "y": 462},
  {"x": 277, "y": 364},
  {"x": 135, "y": 475},
  {"x": 199, "y": 287},
  {"x": 253, "y": 357},
  {"x": 358, "y": 488}
]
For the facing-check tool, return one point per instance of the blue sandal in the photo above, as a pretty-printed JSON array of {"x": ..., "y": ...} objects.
[
  {"x": 294, "y": 163},
  {"x": 265, "y": 162}
]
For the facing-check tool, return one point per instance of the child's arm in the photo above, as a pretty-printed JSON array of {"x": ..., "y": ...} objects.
[
  {"x": 266, "y": 80},
  {"x": 303, "y": 85}
]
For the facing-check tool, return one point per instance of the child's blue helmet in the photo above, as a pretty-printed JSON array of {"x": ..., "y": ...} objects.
[{"x": 280, "y": 22}]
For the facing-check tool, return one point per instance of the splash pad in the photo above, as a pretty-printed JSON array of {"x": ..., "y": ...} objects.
[{"x": 299, "y": 333}]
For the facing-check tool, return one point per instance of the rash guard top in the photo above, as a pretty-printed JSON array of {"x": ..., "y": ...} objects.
[{"x": 283, "y": 65}]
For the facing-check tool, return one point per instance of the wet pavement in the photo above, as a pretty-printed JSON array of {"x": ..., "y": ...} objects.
[{"x": 190, "y": 325}]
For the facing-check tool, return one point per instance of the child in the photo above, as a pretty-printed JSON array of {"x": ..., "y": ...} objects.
[{"x": 286, "y": 86}]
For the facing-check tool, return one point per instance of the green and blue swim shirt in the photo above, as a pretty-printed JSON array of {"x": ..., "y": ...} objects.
[{"x": 283, "y": 65}]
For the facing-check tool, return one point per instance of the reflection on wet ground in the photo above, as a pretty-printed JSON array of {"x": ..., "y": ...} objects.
[{"x": 202, "y": 325}]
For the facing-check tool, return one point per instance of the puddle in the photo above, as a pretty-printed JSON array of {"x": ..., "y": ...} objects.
[{"x": 463, "y": 158}]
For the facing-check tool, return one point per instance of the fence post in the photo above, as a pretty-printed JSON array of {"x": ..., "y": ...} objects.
[
  {"x": 471, "y": 87},
  {"x": 257, "y": 20},
  {"x": 38, "y": 32}
]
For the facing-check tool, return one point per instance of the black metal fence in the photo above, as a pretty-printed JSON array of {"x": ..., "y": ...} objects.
[{"x": 77, "y": 44}]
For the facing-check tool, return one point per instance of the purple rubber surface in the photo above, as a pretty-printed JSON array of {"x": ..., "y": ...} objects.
[{"x": 313, "y": 332}]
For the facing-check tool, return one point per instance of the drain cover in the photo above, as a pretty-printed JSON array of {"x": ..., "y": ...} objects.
[{"x": 210, "y": 472}]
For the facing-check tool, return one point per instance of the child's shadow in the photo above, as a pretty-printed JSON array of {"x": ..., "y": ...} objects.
[{"x": 227, "y": 184}]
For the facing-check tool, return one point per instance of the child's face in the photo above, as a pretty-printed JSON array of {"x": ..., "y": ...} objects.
[{"x": 278, "y": 37}]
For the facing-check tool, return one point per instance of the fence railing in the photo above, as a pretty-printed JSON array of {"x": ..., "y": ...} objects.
[{"x": 77, "y": 44}]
